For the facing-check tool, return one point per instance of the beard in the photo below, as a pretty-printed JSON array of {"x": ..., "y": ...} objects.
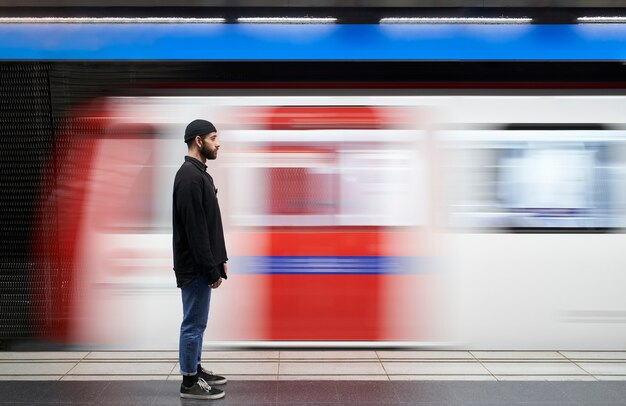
[{"x": 208, "y": 153}]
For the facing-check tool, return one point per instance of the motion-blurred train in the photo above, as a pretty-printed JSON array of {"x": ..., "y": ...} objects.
[{"x": 463, "y": 221}]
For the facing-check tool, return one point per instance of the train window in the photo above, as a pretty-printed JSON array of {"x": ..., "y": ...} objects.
[
  {"x": 535, "y": 180},
  {"x": 382, "y": 185},
  {"x": 328, "y": 184},
  {"x": 302, "y": 181}
]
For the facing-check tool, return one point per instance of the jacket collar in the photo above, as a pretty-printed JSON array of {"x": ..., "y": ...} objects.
[{"x": 196, "y": 163}]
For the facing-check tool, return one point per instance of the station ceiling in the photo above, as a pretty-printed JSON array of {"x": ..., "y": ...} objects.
[
  {"x": 317, "y": 3},
  {"x": 343, "y": 11}
]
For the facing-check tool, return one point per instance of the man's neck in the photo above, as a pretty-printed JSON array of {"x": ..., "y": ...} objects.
[{"x": 196, "y": 154}]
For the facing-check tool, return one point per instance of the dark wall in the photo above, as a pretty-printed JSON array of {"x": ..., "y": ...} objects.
[{"x": 27, "y": 131}]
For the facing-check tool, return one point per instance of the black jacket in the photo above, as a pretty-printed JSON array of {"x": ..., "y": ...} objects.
[{"x": 199, "y": 247}]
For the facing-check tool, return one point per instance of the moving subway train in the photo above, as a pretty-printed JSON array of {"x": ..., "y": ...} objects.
[{"x": 463, "y": 221}]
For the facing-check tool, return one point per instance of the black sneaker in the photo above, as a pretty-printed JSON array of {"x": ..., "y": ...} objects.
[
  {"x": 211, "y": 378},
  {"x": 201, "y": 390}
]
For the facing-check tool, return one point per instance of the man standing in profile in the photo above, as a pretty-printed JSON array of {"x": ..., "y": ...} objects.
[{"x": 199, "y": 255}]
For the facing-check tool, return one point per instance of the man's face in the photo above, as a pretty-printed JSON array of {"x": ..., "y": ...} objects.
[{"x": 209, "y": 146}]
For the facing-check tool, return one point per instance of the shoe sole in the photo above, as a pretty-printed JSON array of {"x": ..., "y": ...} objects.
[
  {"x": 222, "y": 382},
  {"x": 203, "y": 397}
]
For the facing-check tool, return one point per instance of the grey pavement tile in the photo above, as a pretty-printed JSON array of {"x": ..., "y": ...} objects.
[
  {"x": 533, "y": 392},
  {"x": 362, "y": 392},
  {"x": 316, "y": 393},
  {"x": 23, "y": 391},
  {"x": 306, "y": 392},
  {"x": 618, "y": 388},
  {"x": 74, "y": 392},
  {"x": 423, "y": 391},
  {"x": 251, "y": 391},
  {"x": 600, "y": 404},
  {"x": 225, "y": 402},
  {"x": 479, "y": 392},
  {"x": 196, "y": 402},
  {"x": 130, "y": 393},
  {"x": 247, "y": 393},
  {"x": 591, "y": 392},
  {"x": 188, "y": 402},
  {"x": 374, "y": 404},
  {"x": 340, "y": 404},
  {"x": 49, "y": 404},
  {"x": 169, "y": 394},
  {"x": 446, "y": 403},
  {"x": 506, "y": 393},
  {"x": 520, "y": 404}
]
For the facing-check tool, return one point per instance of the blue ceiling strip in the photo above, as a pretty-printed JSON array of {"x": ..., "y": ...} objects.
[{"x": 329, "y": 42}]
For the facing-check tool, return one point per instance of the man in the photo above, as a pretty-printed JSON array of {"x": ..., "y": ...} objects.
[{"x": 199, "y": 255}]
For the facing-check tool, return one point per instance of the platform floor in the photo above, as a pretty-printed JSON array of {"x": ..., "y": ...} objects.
[
  {"x": 268, "y": 365},
  {"x": 320, "y": 393},
  {"x": 321, "y": 378}
]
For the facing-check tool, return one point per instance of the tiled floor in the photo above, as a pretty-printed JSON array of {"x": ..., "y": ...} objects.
[
  {"x": 317, "y": 378},
  {"x": 329, "y": 365}
]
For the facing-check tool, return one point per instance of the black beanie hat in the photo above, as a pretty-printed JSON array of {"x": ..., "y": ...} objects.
[{"x": 198, "y": 127}]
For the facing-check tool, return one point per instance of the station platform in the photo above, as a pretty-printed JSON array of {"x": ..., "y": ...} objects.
[{"x": 268, "y": 377}]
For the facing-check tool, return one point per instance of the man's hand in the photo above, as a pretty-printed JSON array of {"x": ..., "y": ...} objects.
[
  {"x": 216, "y": 284},
  {"x": 225, "y": 269}
]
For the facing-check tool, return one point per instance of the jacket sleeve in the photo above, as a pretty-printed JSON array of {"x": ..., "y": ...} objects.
[{"x": 192, "y": 214}]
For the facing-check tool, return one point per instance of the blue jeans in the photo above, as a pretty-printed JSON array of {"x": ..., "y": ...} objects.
[{"x": 196, "y": 299}]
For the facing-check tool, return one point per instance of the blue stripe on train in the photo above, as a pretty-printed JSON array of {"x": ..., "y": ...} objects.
[{"x": 349, "y": 265}]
